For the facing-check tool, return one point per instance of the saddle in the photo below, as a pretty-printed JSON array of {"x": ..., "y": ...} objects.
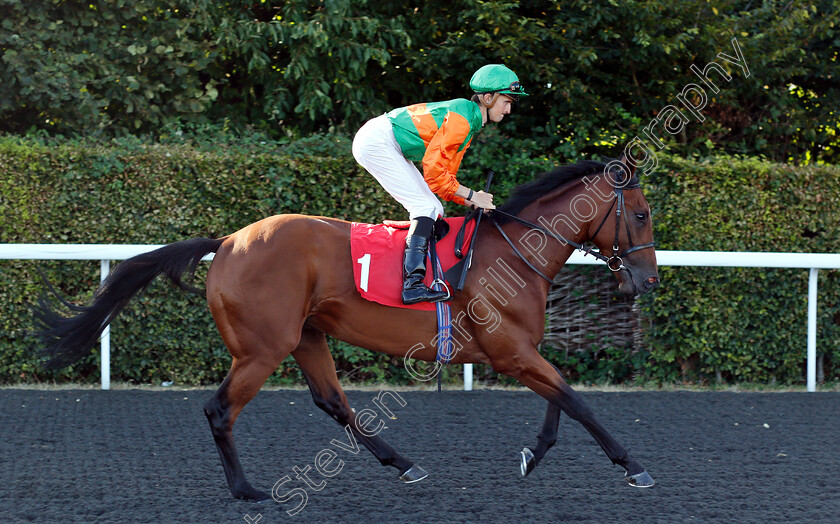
[{"x": 377, "y": 252}]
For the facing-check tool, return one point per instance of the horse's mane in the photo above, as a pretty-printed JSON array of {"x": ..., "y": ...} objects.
[{"x": 527, "y": 193}]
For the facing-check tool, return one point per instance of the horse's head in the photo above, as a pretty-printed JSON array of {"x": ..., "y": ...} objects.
[
  {"x": 619, "y": 225},
  {"x": 624, "y": 231}
]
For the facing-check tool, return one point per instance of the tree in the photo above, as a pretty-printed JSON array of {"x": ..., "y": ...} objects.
[
  {"x": 600, "y": 71},
  {"x": 109, "y": 67}
]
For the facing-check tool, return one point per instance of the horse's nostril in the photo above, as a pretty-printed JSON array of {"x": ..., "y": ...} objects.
[{"x": 652, "y": 281}]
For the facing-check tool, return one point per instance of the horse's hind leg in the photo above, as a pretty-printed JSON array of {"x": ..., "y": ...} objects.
[
  {"x": 314, "y": 358},
  {"x": 242, "y": 383},
  {"x": 545, "y": 439}
]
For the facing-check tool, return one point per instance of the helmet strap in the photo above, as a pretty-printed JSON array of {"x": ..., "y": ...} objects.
[{"x": 492, "y": 100}]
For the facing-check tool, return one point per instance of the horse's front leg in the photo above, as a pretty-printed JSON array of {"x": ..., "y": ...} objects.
[
  {"x": 545, "y": 439},
  {"x": 534, "y": 372}
]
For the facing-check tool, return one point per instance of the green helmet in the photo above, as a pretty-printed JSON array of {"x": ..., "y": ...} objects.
[{"x": 496, "y": 78}]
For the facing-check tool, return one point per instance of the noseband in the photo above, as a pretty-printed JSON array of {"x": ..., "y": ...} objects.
[{"x": 614, "y": 262}]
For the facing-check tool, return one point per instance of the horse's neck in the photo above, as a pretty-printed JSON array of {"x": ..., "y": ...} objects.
[{"x": 553, "y": 212}]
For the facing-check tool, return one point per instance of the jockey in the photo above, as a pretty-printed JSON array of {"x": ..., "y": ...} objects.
[{"x": 438, "y": 134}]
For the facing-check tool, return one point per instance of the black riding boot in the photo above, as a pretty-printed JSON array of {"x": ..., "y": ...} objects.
[{"x": 414, "y": 264}]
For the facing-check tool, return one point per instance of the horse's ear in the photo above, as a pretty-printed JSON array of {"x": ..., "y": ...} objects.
[{"x": 628, "y": 161}]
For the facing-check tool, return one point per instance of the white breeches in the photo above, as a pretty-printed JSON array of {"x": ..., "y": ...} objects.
[{"x": 376, "y": 149}]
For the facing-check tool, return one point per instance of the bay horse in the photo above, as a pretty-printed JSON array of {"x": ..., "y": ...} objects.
[{"x": 279, "y": 286}]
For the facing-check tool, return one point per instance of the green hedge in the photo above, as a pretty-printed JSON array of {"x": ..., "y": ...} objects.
[
  {"x": 132, "y": 192},
  {"x": 739, "y": 324},
  {"x": 702, "y": 324}
]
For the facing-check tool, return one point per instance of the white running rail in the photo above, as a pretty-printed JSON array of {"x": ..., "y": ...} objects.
[{"x": 811, "y": 261}]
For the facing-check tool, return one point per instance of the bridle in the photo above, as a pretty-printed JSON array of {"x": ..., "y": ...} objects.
[{"x": 614, "y": 262}]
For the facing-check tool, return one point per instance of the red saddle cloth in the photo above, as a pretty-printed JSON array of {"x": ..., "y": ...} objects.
[{"x": 377, "y": 251}]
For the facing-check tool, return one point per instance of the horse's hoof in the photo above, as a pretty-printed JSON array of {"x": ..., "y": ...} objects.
[
  {"x": 640, "y": 480},
  {"x": 528, "y": 462},
  {"x": 252, "y": 494},
  {"x": 414, "y": 474}
]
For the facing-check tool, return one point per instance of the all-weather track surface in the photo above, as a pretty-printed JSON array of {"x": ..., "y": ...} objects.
[{"x": 148, "y": 456}]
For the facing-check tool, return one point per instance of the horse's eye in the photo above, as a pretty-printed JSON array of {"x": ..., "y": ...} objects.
[{"x": 641, "y": 217}]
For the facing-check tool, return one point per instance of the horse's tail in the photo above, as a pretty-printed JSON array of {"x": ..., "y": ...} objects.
[{"x": 67, "y": 339}]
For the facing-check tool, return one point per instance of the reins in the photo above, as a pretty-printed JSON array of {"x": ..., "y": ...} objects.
[{"x": 614, "y": 262}]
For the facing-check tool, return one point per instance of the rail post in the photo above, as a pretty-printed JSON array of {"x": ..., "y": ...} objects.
[
  {"x": 468, "y": 380},
  {"x": 105, "y": 340},
  {"x": 812, "y": 329}
]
